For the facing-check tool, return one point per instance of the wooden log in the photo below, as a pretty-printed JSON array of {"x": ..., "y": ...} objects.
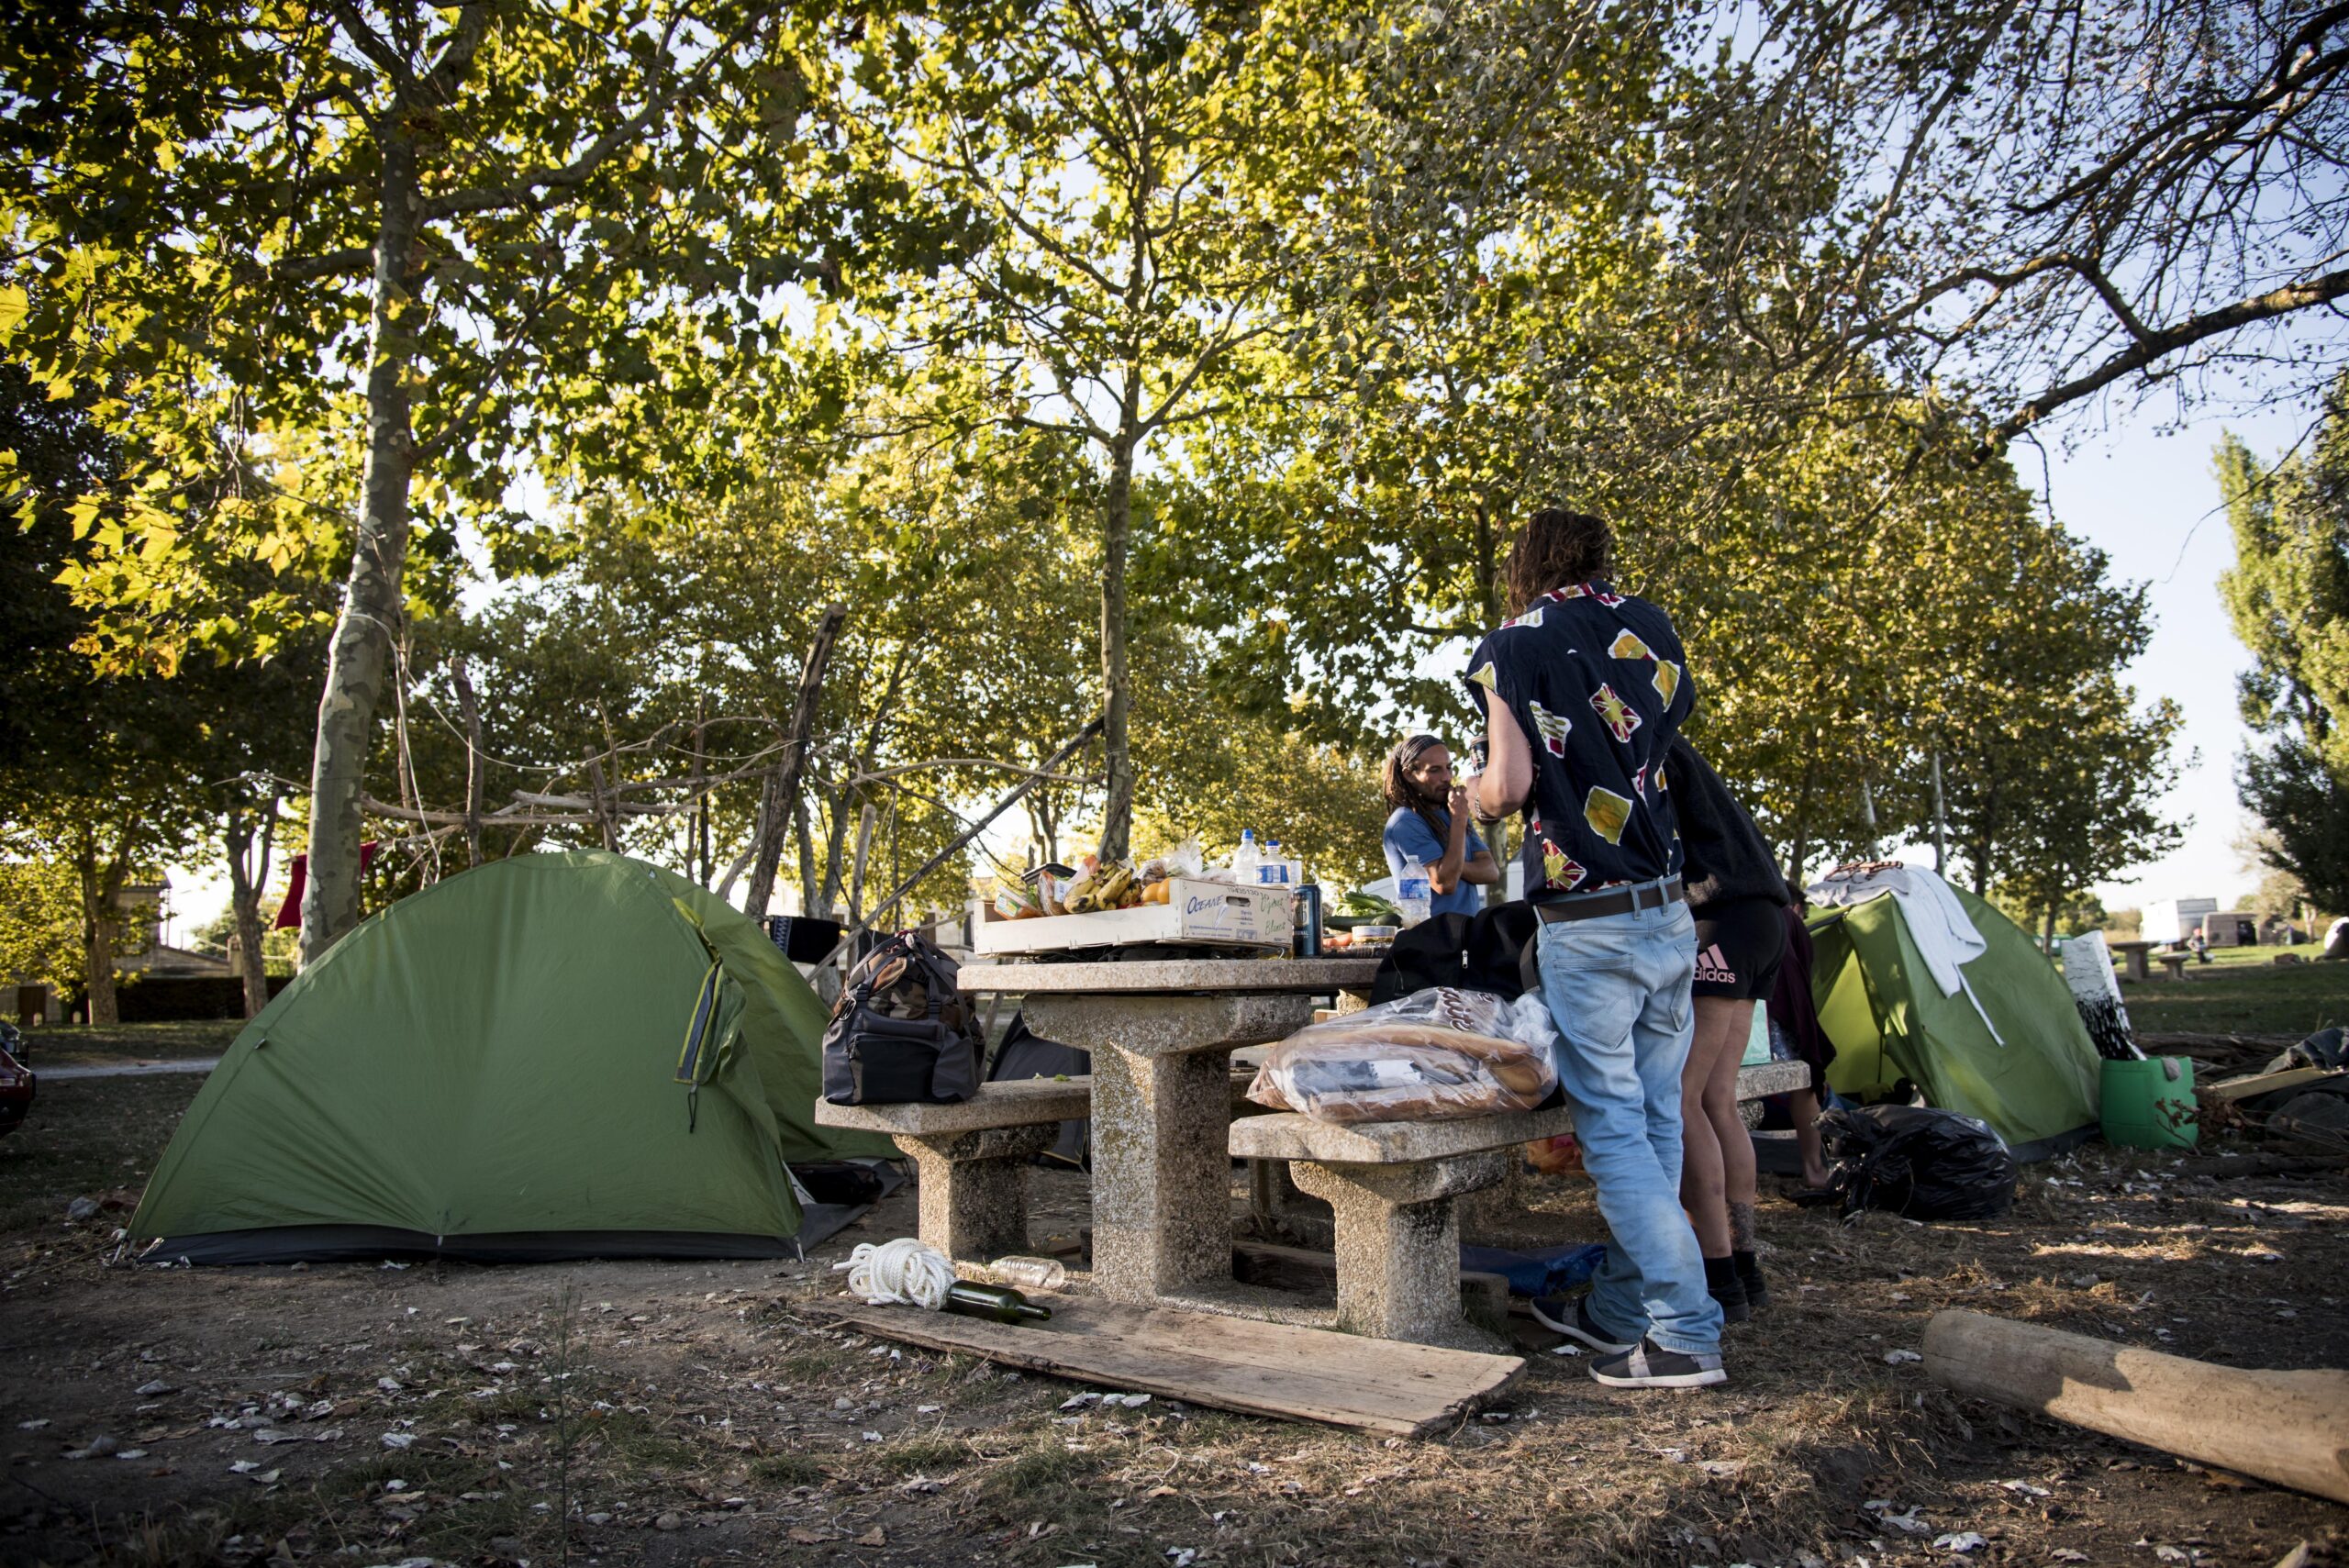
[{"x": 2290, "y": 1428}]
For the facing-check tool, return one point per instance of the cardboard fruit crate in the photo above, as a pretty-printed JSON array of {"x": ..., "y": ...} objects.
[{"x": 1195, "y": 914}]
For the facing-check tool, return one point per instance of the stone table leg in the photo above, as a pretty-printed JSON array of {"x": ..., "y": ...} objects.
[
  {"x": 1161, "y": 1124},
  {"x": 1398, "y": 1244},
  {"x": 972, "y": 1188},
  {"x": 1162, "y": 1206}
]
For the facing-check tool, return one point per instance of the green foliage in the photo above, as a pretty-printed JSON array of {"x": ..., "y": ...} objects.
[
  {"x": 40, "y": 923},
  {"x": 2288, "y": 595},
  {"x": 673, "y": 624},
  {"x": 279, "y": 948},
  {"x": 2304, "y": 803},
  {"x": 1193, "y": 361},
  {"x": 1145, "y": 177},
  {"x": 2081, "y": 911},
  {"x": 196, "y": 198}
]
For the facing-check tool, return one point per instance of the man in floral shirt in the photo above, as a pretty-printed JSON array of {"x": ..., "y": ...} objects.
[{"x": 1582, "y": 690}]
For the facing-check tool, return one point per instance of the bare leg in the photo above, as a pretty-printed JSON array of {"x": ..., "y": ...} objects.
[
  {"x": 1804, "y": 1105},
  {"x": 1720, "y": 1109},
  {"x": 1701, "y": 1192}
]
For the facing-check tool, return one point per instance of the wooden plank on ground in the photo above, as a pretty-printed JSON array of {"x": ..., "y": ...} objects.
[
  {"x": 2268, "y": 1083},
  {"x": 1229, "y": 1363}
]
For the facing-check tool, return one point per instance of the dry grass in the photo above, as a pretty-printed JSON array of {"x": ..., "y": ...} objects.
[{"x": 720, "y": 1417}]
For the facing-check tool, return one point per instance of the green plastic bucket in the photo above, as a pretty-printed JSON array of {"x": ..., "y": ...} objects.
[{"x": 2150, "y": 1104}]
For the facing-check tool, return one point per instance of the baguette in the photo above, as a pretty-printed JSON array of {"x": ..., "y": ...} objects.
[{"x": 1414, "y": 1037}]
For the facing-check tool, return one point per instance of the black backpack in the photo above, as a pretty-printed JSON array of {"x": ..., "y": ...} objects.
[
  {"x": 1492, "y": 950},
  {"x": 900, "y": 1032}
]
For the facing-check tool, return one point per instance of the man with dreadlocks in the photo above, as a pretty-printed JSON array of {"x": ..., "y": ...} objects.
[{"x": 1430, "y": 824}]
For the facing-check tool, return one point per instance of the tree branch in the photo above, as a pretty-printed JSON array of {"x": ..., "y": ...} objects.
[
  {"x": 355, "y": 259},
  {"x": 2210, "y": 323}
]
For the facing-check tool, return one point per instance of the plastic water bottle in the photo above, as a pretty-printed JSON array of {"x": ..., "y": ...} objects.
[
  {"x": 1412, "y": 895},
  {"x": 1245, "y": 861},
  {"x": 1274, "y": 871},
  {"x": 1030, "y": 1273}
]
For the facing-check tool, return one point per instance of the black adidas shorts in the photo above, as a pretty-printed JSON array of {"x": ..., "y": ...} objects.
[{"x": 1739, "y": 944}]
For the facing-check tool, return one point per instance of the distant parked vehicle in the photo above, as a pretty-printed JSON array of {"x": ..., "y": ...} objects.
[{"x": 16, "y": 1090}]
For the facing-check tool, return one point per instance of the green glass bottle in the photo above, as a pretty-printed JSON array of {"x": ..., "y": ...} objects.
[{"x": 998, "y": 1302}]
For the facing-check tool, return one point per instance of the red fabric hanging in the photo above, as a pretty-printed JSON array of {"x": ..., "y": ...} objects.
[{"x": 289, "y": 914}]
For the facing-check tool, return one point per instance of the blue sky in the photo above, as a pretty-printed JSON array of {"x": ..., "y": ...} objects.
[{"x": 2145, "y": 493}]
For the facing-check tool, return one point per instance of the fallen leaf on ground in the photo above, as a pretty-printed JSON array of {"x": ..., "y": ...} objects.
[{"x": 876, "y": 1536}]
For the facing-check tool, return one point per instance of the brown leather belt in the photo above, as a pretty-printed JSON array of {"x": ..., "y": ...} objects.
[{"x": 1621, "y": 901}]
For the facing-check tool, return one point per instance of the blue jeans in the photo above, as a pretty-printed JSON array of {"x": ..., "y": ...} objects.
[{"x": 1617, "y": 989}]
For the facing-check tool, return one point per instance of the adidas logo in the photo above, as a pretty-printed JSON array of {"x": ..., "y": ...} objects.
[{"x": 1713, "y": 969}]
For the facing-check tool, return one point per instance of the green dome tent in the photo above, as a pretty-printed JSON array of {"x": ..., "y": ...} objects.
[
  {"x": 1888, "y": 1019},
  {"x": 554, "y": 1055}
]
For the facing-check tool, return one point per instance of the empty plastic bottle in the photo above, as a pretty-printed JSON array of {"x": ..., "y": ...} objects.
[{"x": 1030, "y": 1273}]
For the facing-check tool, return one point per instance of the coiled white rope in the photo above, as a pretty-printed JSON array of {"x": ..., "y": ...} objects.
[{"x": 903, "y": 1270}]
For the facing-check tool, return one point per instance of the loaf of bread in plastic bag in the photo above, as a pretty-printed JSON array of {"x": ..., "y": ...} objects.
[{"x": 1431, "y": 1056}]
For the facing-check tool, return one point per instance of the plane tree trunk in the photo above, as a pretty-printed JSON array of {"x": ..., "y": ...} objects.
[
  {"x": 248, "y": 879},
  {"x": 373, "y": 601},
  {"x": 100, "y": 874},
  {"x": 1117, "y": 680}
]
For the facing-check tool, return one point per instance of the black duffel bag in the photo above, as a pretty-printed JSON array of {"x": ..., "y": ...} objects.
[{"x": 900, "y": 1033}]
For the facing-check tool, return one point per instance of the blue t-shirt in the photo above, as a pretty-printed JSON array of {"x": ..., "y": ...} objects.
[
  {"x": 1408, "y": 834},
  {"x": 1598, "y": 682}
]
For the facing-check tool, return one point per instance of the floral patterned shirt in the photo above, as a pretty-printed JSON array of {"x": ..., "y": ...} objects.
[{"x": 1599, "y": 684}]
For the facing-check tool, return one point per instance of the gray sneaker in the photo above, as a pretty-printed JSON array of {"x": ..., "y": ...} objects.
[{"x": 1649, "y": 1365}]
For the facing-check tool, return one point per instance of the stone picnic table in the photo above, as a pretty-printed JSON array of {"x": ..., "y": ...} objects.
[
  {"x": 2134, "y": 958},
  {"x": 1161, "y": 1097},
  {"x": 1162, "y": 1033}
]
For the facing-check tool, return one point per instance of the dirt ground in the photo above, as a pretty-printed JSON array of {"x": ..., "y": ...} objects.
[{"x": 706, "y": 1414}]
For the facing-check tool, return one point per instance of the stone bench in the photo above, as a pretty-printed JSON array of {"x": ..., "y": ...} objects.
[
  {"x": 971, "y": 1158},
  {"x": 2174, "y": 965},
  {"x": 1390, "y": 1186}
]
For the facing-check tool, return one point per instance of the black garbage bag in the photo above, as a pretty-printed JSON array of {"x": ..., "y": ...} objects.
[{"x": 1916, "y": 1163}]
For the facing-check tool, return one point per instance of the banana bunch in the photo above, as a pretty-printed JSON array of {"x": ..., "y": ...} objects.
[{"x": 1103, "y": 890}]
